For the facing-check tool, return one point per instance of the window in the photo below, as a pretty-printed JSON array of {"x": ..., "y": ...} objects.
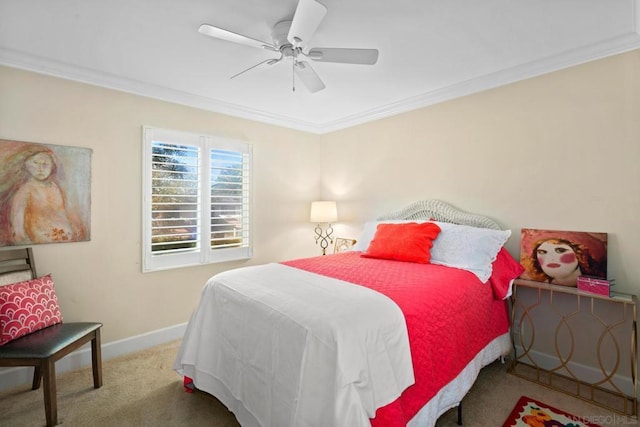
[{"x": 196, "y": 204}]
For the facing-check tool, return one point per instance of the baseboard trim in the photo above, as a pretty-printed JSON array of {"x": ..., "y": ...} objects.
[{"x": 15, "y": 377}]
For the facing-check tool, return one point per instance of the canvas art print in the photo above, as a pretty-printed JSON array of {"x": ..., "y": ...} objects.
[
  {"x": 45, "y": 193},
  {"x": 560, "y": 257}
]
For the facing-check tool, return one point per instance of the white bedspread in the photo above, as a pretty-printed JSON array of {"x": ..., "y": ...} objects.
[{"x": 294, "y": 348}]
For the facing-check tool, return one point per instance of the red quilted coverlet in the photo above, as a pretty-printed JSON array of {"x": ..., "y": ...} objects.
[{"x": 450, "y": 317}]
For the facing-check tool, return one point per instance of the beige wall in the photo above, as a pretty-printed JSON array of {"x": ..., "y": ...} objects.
[
  {"x": 102, "y": 279},
  {"x": 560, "y": 151}
]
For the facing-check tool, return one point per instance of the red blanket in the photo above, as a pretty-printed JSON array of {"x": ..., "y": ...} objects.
[{"x": 450, "y": 317}]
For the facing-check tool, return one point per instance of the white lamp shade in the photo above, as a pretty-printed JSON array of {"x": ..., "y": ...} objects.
[{"x": 324, "y": 212}]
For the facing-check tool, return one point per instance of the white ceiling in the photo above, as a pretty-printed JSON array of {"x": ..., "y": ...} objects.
[{"x": 430, "y": 50}]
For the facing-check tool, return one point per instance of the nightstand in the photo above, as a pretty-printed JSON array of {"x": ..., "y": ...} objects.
[{"x": 576, "y": 342}]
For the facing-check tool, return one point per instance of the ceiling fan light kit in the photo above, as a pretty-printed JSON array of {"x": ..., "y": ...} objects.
[{"x": 291, "y": 38}]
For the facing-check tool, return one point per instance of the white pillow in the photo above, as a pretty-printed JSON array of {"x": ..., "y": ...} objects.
[
  {"x": 460, "y": 246},
  {"x": 469, "y": 248}
]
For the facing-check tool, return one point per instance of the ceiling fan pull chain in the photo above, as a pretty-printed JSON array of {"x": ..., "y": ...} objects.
[{"x": 293, "y": 75}]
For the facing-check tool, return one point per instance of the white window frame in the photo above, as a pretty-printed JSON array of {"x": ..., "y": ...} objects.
[{"x": 203, "y": 253}]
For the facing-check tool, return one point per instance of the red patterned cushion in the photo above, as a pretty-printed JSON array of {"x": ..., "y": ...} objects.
[
  {"x": 409, "y": 242},
  {"x": 26, "y": 307}
]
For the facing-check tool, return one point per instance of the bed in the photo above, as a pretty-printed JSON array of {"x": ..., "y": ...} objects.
[{"x": 376, "y": 336}]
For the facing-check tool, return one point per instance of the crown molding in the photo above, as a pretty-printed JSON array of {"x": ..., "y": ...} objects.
[
  {"x": 46, "y": 66},
  {"x": 547, "y": 65},
  {"x": 557, "y": 62}
]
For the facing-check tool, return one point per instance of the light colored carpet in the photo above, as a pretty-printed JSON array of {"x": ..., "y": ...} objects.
[{"x": 141, "y": 389}]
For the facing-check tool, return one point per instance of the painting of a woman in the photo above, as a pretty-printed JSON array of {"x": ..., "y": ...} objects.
[
  {"x": 35, "y": 205},
  {"x": 560, "y": 257}
]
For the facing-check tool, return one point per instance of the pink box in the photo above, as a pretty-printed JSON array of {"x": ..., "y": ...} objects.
[{"x": 594, "y": 285}]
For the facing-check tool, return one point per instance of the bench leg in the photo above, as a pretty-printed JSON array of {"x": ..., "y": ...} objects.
[
  {"x": 37, "y": 377},
  {"x": 96, "y": 360},
  {"x": 50, "y": 394}
]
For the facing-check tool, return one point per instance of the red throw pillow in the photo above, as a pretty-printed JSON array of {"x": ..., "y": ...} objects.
[
  {"x": 26, "y": 307},
  {"x": 409, "y": 242}
]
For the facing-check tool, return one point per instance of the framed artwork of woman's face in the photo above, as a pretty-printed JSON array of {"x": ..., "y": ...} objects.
[{"x": 560, "y": 257}]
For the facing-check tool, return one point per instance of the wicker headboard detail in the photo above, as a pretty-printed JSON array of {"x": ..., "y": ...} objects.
[{"x": 440, "y": 211}]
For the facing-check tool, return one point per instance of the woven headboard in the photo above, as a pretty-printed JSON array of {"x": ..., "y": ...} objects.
[{"x": 440, "y": 211}]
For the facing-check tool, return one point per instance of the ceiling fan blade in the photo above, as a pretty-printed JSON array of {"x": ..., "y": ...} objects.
[
  {"x": 306, "y": 20},
  {"x": 344, "y": 56},
  {"x": 270, "y": 61},
  {"x": 308, "y": 76},
  {"x": 220, "y": 33}
]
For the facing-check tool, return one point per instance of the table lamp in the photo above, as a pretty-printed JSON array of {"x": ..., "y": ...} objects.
[{"x": 324, "y": 212}]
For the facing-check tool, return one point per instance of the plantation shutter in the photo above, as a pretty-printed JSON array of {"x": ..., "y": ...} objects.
[
  {"x": 175, "y": 198},
  {"x": 196, "y": 205},
  {"x": 230, "y": 198}
]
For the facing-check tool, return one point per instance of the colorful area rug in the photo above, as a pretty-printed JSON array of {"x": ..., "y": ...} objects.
[{"x": 531, "y": 413}]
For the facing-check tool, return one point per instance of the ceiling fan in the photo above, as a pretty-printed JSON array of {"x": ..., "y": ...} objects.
[{"x": 291, "y": 38}]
